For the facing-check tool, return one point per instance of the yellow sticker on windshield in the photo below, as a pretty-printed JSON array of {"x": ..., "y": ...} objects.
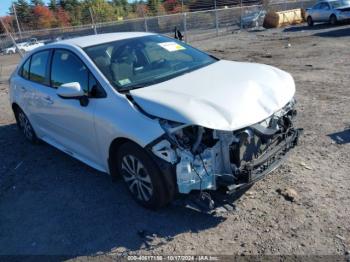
[
  {"x": 171, "y": 46},
  {"x": 124, "y": 81}
]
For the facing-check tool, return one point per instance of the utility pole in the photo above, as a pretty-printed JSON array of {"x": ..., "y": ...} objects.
[
  {"x": 241, "y": 22},
  {"x": 182, "y": 6},
  {"x": 216, "y": 19},
  {"x": 15, "y": 13},
  {"x": 144, "y": 18},
  {"x": 10, "y": 35},
  {"x": 185, "y": 26},
  {"x": 93, "y": 21}
]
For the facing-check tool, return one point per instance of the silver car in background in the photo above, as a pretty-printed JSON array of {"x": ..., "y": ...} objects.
[{"x": 328, "y": 11}]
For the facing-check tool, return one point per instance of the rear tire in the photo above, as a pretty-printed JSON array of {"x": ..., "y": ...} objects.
[
  {"x": 333, "y": 20},
  {"x": 309, "y": 21},
  {"x": 25, "y": 126},
  {"x": 142, "y": 176}
]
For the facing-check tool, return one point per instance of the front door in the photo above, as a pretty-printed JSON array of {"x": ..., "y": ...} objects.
[{"x": 69, "y": 123}]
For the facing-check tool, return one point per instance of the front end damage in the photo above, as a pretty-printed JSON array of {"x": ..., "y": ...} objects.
[{"x": 206, "y": 160}]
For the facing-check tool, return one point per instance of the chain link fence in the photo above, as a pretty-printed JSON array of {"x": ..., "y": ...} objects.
[{"x": 193, "y": 25}]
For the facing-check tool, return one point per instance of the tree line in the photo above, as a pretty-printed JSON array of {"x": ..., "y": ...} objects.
[{"x": 36, "y": 14}]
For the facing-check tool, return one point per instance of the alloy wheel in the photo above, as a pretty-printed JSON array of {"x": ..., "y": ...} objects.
[{"x": 137, "y": 178}]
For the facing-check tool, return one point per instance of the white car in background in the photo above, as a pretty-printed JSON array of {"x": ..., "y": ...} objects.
[
  {"x": 29, "y": 46},
  {"x": 168, "y": 118},
  {"x": 23, "y": 47},
  {"x": 331, "y": 11},
  {"x": 10, "y": 50},
  {"x": 13, "y": 49}
]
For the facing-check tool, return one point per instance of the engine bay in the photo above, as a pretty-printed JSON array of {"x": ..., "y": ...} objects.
[{"x": 207, "y": 159}]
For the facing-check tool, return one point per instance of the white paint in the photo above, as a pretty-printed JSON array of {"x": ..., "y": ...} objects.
[{"x": 225, "y": 95}]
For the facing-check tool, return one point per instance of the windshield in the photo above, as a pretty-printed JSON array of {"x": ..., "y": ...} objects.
[
  {"x": 340, "y": 3},
  {"x": 139, "y": 62}
]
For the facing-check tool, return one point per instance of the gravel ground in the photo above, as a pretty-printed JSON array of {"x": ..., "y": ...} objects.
[{"x": 52, "y": 204}]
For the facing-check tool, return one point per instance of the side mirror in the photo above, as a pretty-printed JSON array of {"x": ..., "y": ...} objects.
[
  {"x": 73, "y": 91},
  {"x": 70, "y": 90}
]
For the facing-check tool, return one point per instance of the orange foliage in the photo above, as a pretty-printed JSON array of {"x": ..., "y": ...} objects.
[
  {"x": 45, "y": 18},
  {"x": 62, "y": 17}
]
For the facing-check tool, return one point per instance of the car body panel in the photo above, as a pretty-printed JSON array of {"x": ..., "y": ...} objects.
[
  {"x": 209, "y": 96},
  {"x": 111, "y": 116},
  {"x": 224, "y": 96}
]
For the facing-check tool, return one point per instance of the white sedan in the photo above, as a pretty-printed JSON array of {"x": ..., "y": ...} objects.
[
  {"x": 165, "y": 116},
  {"x": 331, "y": 11},
  {"x": 10, "y": 50}
]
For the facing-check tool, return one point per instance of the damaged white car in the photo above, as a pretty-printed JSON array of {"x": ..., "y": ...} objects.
[{"x": 167, "y": 117}]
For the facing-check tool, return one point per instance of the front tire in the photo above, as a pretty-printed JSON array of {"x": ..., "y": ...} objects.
[
  {"x": 142, "y": 176},
  {"x": 309, "y": 21},
  {"x": 25, "y": 126},
  {"x": 333, "y": 20}
]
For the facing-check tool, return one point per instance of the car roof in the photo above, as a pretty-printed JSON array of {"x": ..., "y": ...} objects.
[
  {"x": 91, "y": 40},
  {"x": 326, "y": 1}
]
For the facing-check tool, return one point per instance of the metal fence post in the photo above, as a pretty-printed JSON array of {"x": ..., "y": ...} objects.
[
  {"x": 241, "y": 15},
  {"x": 216, "y": 19},
  {"x": 185, "y": 26},
  {"x": 145, "y": 22},
  {"x": 93, "y": 21}
]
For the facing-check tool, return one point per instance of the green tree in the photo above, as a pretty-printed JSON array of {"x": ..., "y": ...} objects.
[
  {"x": 73, "y": 7},
  {"x": 36, "y": 2},
  {"x": 122, "y": 7},
  {"x": 153, "y": 6},
  {"x": 53, "y": 5},
  {"x": 24, "y": 14},
  {"x": 102, "y": 11}
]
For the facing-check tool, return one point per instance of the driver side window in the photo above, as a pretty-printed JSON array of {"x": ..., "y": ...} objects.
[
  {"x": 67, "y": 68},
  {"x": 325, "y": 6}
]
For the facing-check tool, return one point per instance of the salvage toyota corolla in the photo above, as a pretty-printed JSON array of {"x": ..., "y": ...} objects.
[{"x": 167, "y": 117}]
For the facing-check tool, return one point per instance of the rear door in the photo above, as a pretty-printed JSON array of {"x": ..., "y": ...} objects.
[{"x": 31, "y": 87}]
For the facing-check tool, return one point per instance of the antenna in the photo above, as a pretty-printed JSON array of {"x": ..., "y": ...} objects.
[{"x": 12, "y": 39}]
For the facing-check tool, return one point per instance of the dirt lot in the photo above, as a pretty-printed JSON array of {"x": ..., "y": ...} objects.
[{"x": 53, "y": 204}]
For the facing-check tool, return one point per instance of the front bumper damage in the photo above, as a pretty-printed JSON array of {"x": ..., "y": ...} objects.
[
  {"x": 265, "y": 164},
  {"x": 207, "y": 162}
]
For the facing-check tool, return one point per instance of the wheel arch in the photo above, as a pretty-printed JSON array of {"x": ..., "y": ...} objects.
[
  {"x": 15, "y": 108},
  {"x": 113, "y": 149},
  {"x": 168, "y": 170},
  {"x": 333, "y": 14}
]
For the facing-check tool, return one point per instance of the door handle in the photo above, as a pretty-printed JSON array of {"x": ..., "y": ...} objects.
[
  {"x": 48, "y": 99},
  {"x": 23, "y": 89}
]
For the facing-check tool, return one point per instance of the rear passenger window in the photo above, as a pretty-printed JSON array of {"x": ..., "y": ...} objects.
[
  {"x": 67, "y": 68},
  {"x": 24, "y": 72},
  {"x": 38, "y": 67}
]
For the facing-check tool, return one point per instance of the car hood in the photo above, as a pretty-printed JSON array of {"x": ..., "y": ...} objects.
[
  {"x": 225, "y": 95},
  {"x": 344, "y": 8}
]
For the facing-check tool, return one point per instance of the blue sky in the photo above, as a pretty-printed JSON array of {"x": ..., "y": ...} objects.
[{"x": 4, "y": 6}]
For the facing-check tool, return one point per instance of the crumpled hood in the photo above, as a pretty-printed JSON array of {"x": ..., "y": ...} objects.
[
  {"x": 225, "y": 95},
  {"x": 344, "y": 8}
]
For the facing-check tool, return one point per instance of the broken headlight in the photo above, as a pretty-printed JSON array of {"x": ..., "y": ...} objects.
[{"x": 188, "y": 137}]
